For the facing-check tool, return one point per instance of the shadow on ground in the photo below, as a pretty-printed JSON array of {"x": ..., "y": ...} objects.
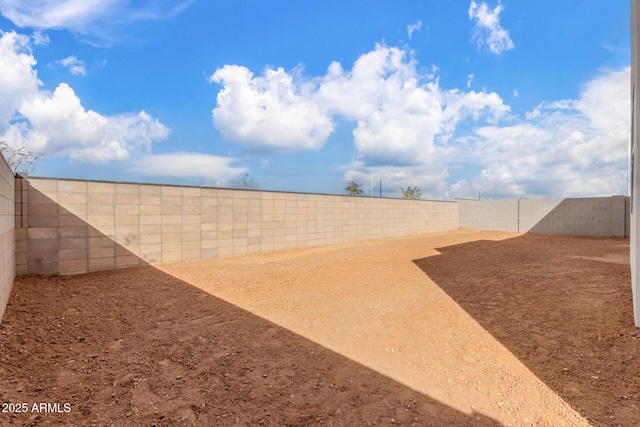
[
  {"x": 139, "y": 347},
  {"x": 559, "y": 314}
]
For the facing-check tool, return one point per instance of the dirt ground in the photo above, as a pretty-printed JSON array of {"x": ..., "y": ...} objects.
[{"x": 455, "y": 329}]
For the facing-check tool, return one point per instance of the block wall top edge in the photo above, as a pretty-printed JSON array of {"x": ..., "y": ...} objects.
[
  {"x": 593, "y": 198},
  {"x": 233, "y": 189},
  {"x": 535, "y": 199},
  {"x": 458, "y": 199}
]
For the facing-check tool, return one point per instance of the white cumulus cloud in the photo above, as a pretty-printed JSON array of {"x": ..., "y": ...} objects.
[
  {"x": 400, "y": 113},
  {"x": 57, "y": 123},
  {"x": 564, "y": 148},
  {"x": 404, "y": 119},
  {"x": 487, "y": 28},
  {"x": 403, "y": 116},
  {"x": 18, "y": 78},
  {"x": 270, "y": 110}
]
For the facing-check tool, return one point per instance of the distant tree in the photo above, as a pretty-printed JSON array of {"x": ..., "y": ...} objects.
[
  {"x": 353, "y": 188},
  {"x": 19, "y": 158},
  {"x": 410, "y": 193},
  {"x": 245, "y": 182}
]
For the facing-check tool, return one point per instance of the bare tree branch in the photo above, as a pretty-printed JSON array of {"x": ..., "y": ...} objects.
[{"x": 19, "y": 158}]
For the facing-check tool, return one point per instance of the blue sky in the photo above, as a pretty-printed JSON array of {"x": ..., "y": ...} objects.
[{"x": 507, "y": 99}]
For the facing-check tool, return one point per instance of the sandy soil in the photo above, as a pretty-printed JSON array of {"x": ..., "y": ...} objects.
[{"x": 464, "y": 328}]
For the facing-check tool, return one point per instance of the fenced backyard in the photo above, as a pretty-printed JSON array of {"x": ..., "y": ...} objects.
[
  {"x": 452, "y": 328},
  {"x": 139, "y": 304}
]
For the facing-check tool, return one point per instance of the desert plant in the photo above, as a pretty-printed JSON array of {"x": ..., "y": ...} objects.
[
  {"x": 353, "y": 188},
  {"x": 410, "y": 192}
]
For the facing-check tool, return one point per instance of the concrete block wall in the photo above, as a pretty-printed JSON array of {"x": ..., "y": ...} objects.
[
  {"x": 493, "y": 215},
  {"x": 7, "y": 238},
  {"x": 592, "y": 216},
  {"x": 69, "y": 226},
  {"x": 532, "y": 211}
]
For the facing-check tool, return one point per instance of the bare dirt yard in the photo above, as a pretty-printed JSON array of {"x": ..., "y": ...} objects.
[{"x": 455, "y": 329}]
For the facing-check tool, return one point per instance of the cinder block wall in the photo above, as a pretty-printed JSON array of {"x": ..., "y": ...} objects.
[
  {"x": 69, "y": 226},
  {"x": 592, "y": 216},
  {"x": 532, "y": 211},
  {"x": 493, "y": 215},
  {"x": 7, "y": 238}
]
